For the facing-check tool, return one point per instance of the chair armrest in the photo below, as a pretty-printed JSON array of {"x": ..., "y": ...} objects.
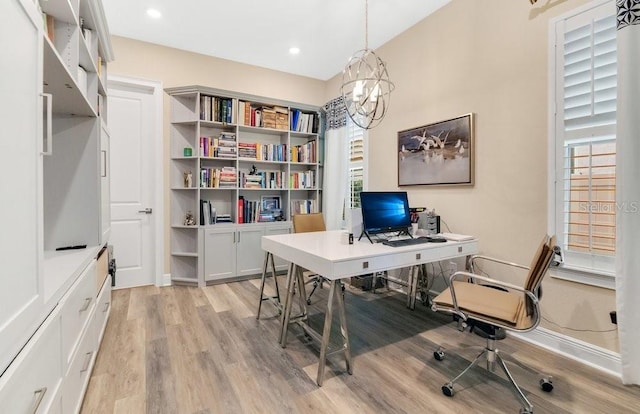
[
  {"x": 493, "y": 259},
  {"x": 494, "y": 282}
]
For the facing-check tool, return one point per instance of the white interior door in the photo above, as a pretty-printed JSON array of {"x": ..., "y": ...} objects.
[{"x": 135, "y": 138}]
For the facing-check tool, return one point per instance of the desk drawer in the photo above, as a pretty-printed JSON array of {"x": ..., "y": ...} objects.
[
  {"x": 31, "y": 382},
  {"x": 76, "y": 306},
  {"x": 400, "y": 258}
]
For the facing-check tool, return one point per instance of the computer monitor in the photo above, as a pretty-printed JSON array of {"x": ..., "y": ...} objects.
[{"x": 385, "y": 211}]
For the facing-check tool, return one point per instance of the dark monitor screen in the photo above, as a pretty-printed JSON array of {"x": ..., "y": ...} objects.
[{"x": 385, "y": 211}]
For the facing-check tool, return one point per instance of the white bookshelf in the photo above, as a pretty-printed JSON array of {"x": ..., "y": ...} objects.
[{"x": 208, "y": 252}]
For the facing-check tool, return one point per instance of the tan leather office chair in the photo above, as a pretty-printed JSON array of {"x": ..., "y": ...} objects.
[
  {"x": 305, "y": 223},
  {"x": 480, "y": 300}
]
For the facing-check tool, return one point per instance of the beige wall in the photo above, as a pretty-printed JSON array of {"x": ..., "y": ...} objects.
[{"x": 488, "y": 57}]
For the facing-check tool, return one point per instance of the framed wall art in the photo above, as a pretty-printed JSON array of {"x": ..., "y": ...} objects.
[{"x": 441, "y": 153}]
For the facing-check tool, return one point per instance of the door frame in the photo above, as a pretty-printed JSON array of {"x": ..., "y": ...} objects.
[{"x": 156, "y": 159}]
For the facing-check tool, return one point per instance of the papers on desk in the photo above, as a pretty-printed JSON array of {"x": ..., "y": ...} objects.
[{"x": 456, "y": 237}]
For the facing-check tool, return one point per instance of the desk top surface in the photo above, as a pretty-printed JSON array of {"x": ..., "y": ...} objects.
[{"x": 325, "y": 252}]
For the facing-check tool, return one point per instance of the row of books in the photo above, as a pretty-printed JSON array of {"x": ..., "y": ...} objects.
[
  {"x": 305, "y": 153},
  {"x": 262, "y": 179},
  {"x": 251, "y": 211},
  {"x": 303, "y": 207},
  {"x": 224, "y": 177},
  {"x": 258, "y": 115},
  {"x": 216, "y": 109},
  {"x": 306, "y": 179},
  {"x": 209, "y": 215},
  {"x": 222, "y": 146},
  {"x": 263, "y": 152},
  {"x": 304, "y": 122}
]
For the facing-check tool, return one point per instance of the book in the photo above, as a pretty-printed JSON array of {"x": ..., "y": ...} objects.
[{"x": 240, "y": 209}]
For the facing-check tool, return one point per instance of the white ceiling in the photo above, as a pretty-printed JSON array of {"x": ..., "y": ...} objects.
[{"x": 261, "y": 32}]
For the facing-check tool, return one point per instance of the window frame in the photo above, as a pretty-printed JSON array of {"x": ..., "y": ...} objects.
[{"x": 597, "y": 270}]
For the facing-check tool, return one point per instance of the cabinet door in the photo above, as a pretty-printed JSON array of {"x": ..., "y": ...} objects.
[
  {"x": 270, "y": 231},
  {"x": 105, "y": 197},
  {"x": 21, "y": 295},
  {"x": 250, "y": 255},
  {"x": 219, "y": 254}
]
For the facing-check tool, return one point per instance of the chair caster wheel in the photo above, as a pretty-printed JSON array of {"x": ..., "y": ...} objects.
[
  {"x": 438, "y": 355},
  {"x": 525, "y": 411},
  {"x": 447, "y": 389},
  {"x": 546, "y": 384},
  {"x": 308, "y": 301}
]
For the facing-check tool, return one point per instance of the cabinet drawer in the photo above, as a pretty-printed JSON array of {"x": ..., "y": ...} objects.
[
  {"x": 31, "y": 382},
  {"x": 102, "y": 269},
  {"x": 103, "y": 308},
  {"x": 76, "y": 306},
  {"x": 77, "y": 376}
]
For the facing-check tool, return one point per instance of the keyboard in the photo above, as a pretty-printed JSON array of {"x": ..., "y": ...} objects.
[{"x": 406, "y": 242}]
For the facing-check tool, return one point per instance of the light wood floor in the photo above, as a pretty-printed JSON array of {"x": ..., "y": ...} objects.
[{"x": 189, "y": 350}]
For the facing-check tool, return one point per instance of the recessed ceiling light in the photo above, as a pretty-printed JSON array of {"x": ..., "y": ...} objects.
[
  {"x": 294, "y": 50},
  {"x": 154, "y": 13}
]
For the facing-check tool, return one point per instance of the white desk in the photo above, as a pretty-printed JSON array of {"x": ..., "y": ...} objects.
[{"x": 329, "y": 254}]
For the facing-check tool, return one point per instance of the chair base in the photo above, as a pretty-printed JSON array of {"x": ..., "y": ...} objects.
[{"x": 493, "y": 358}]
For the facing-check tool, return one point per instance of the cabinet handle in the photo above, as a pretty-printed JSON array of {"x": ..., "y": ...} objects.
[
  {"x": 103, "y": 167},
  {"x": 87, "y": 302},
  {"x": 234, "y": 236},
  {"x": 87, "y": 361},
  {"x": 39, "y": 396},
  {"x": 238, "y": 237},
  {"x": 106, "y": 306},
  {"x": 49, "y": 137}
]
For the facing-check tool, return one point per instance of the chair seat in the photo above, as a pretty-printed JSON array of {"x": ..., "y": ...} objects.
[{"x": 487, "y": 304}]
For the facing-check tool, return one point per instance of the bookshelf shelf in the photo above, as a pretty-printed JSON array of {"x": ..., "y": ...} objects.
[{"x": 262, "y": 155}]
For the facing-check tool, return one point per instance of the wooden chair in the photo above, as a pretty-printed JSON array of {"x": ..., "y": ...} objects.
[
  {"x": 496, "y": 305},
  {"x": 306, "y": 223}
]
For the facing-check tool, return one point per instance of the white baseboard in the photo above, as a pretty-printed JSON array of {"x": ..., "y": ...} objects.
[
  {"x": 166, "y": 280},
  {"x": 589, "y": 354}
]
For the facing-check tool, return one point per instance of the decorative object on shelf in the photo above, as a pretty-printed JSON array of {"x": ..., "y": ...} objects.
[
  {"x": 189, "y": 220},
  {"x": 270, "y": 202},
  {"x": 187, "y": 151},
  {"x": 188, "y": 179},
  {"x": 366, "y": 88},
  {"x": 253, "y": 170},
  {"x": 441, "y": 153}
]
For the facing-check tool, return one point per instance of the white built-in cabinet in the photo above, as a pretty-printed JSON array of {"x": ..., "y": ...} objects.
[
  {"x": 53, "y": 158},
  {"x": 226, "y": 147}
]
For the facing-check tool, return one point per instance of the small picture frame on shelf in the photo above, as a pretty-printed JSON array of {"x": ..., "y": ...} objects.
[{"x": 270, "y": 202}]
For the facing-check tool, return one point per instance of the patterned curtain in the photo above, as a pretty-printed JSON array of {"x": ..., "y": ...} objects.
[
  {"x": 336, "y": 113},
  {"x": 336, "y": 164},
  {"x": 627, "y": 188}
]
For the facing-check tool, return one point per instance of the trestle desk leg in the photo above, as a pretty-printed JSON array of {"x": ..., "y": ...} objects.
[
  {"x": 326, "y": 332},
  {"x": 343, "y": 329},
  {"x": 262, "y": 281},
  {"x": 286, "y": 312},
  {"x": 302, "y": 290}
]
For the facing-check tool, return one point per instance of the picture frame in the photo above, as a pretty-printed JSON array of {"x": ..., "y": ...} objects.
[
  {"x": 441, "y": 153},
  {"x": 270, "y": 202}
]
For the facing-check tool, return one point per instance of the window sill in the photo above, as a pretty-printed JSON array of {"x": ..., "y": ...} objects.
[{"x": 598, "y": 278}]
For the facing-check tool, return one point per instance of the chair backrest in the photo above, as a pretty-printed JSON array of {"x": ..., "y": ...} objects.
[
  {"x": 305, "y": 223},
  {"x": 539, "y": 266}
]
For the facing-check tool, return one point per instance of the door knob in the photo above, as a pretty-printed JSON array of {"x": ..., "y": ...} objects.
[{"x": 147, "y": 210}]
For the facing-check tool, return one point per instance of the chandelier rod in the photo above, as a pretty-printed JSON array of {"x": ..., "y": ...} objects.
[{"x": 366, "y": 24}]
